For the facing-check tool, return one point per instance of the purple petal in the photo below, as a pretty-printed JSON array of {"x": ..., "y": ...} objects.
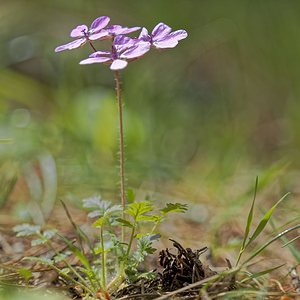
[
  {"x": 99, "y": 24},
  {"x": 100, "y": 53},
  {"x": 121, "y": 43},
  {"x": 94, "y": 60},
  {"x": 179, "y": 34},
  {"x": 123, "y": 40},
  {"x": 101, "y": 34},
  {"x": 144, "y": 35},
  {"x": 118, "y": 64},
  {"x": 136, "y": 51},
  {"x": 114, "y": 29},
  {"x": 71, "y": 45},
  {"x": 160, "y": 31},
  {"x": 171, "y": 40},
  {"x": 165, "y": 44},
  {"x": 79, "y": 31},
  {"x": 127, "y": 30}
]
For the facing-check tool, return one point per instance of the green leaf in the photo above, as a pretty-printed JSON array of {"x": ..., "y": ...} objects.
[
  {"x": 270, "y": 242},
  {"x": 295, "y": 252},
  {"x": 144, "y": 247},
  {"x": 148, "y": 276},
  {"x": 107, "y": 213},
  {"x": 65, "y": 271},
  {"x": 45, "y": 261},
  {"x": 61, "y": 256},
  {"x": 250, "y": 216},
  {"x": 77, "y": 252},
  {"x": 108, "y": 245},
  {"x": 125, "y": 222},
  {"x": 264, "y": 222},
  {"x": 96, "y": 203},
  {"x": 147, "y": 218},
  {"x": 111, "y": 210},
  {"x": 99, "y": 222},
  {"x": 291, "y": 241},
  {"x": 171, "y": 207},
  {"x": 139, "y": 208},
  {"x": 130, "y": 195},
  {"x": 153, "y": 237},
  {"x": 85, "y": 271},
  {"x": 98, "y": 250},
  {"x": 81, "y": 234},
  {"x": 38, "y": 242},
  {"x": 27, "y": 274},
  {"x": 252, "y": 276},
  {"x": 6, "y": 141},
  {"x": 27, "y": 229},
  {"x": 48, "y": 234}
]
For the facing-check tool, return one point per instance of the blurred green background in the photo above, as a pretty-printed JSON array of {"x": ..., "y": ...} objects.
[{"x": 201, "y": 120}]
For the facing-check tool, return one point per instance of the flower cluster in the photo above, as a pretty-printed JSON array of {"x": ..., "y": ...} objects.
[{"x": 124, "y": 49}]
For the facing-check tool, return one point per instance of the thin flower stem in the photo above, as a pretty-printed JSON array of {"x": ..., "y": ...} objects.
[
  {"x": 121, "y": 153},
  {"x": 93, "y": 47}
]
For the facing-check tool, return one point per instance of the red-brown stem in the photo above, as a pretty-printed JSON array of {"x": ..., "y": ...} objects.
[
  {"x": 121, "y": 153},
  {"x": 93, "y": 47}
]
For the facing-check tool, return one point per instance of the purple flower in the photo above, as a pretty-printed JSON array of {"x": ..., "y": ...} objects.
[
  {"x": 83, "y": 34},
  {"x": 123, "y": 48},
  {"x": 114, "y": 30},
  {"x": 162, "y": 37}
]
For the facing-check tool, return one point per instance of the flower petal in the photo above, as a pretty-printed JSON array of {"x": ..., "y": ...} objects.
[
  {"x": 94, "y": 60},
  {"x": 171, "y": 40},
  {"x": 118, "y": 64},
  {"x": 79, "y": 31},
  {"x": 127, "y": 30},
  {"x": 71, "y": 45},
  {"x": 101, "y": 34},
  {"x": 99, "y": 24},
  {"x": 179, "y": 34},
  {"x": 115, "y": 30},
  {"x": 144, "y": 35},
  {"x": 165, "y": 44},
  {"x": 122, "y": 42},
  {"x": 137, "y": 50},
  {"x": 100, "y": 53},
  {"x": 160, "y": 31}
]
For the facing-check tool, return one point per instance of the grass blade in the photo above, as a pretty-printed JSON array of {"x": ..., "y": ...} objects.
[
  {"x": 77, "y": 252},
  {"x": 256, "y": 275},
  {"x": 264, "y": 221},
  {"x": 81, "y": 234},
  {"x": 270, "y": 242},
  {"x": 248, "y": 225},
  {"x": 291, "y": 241},
  {"x": 285, "y": 241},
  {"x": 250, "y": 216}
]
